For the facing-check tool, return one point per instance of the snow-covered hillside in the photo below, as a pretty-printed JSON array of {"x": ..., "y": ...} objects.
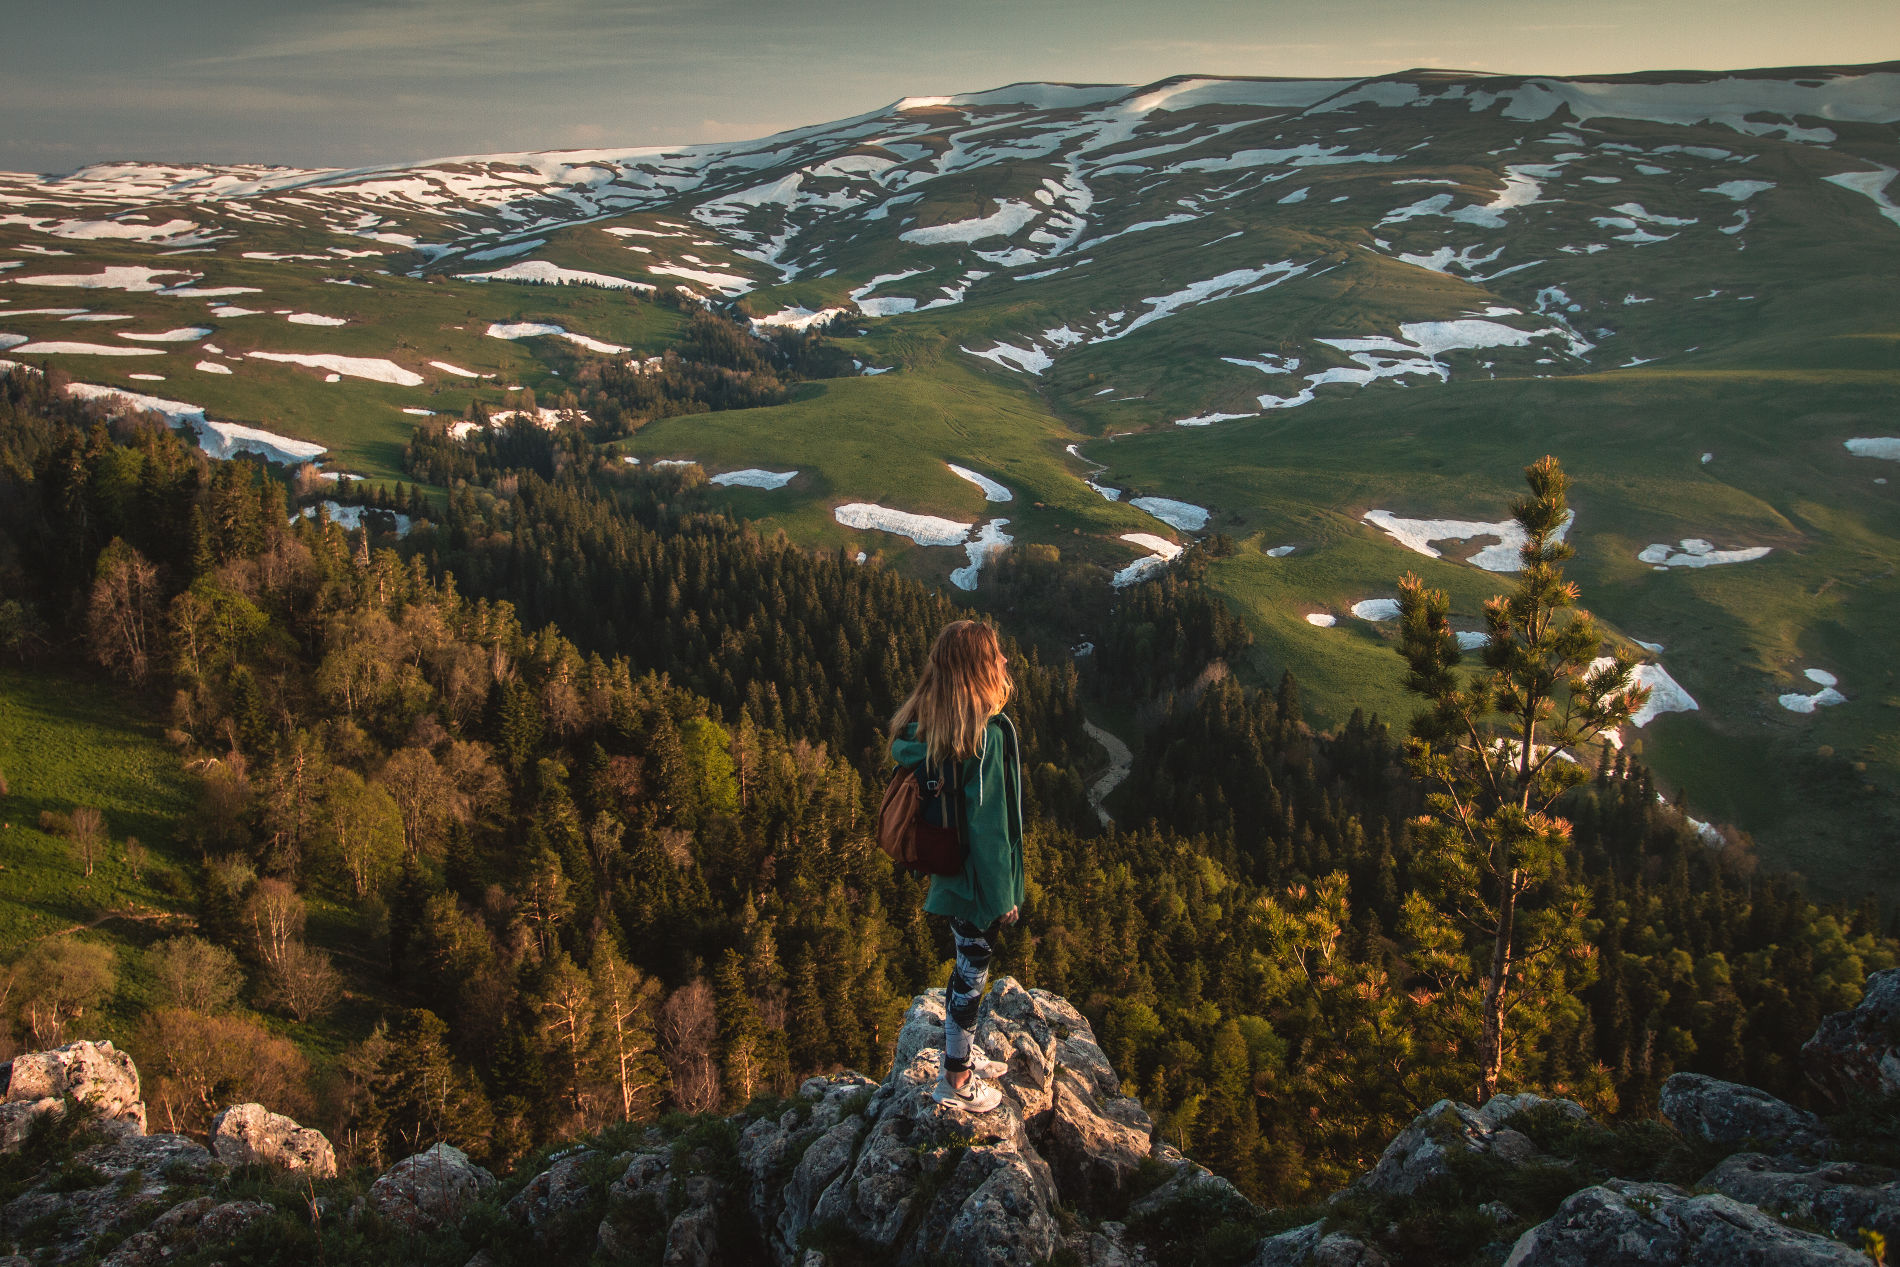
[{"x": 1118, "y": 208}]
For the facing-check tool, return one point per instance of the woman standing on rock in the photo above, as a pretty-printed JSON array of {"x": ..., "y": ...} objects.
[{"x": 955, "y": 719}]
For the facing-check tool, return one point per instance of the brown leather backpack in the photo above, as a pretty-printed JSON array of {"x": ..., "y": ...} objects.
[{"x": 920, "y": 821}]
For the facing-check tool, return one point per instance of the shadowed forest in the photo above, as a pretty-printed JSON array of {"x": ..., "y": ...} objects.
[{"x": 556, "y": 812}]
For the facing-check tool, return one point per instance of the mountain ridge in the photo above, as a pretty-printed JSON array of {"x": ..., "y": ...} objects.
[{"x": 1299, "y": 309}]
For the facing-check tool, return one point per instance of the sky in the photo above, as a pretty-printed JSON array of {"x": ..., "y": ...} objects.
[{"x": 338, "y": 83}]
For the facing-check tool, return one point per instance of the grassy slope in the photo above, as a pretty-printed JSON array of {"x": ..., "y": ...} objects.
[
  {"x": 887, "y": 439},
  {"x": 63, "y": 744},
  {"x": 1796, "y": 352},
  {"x": 66, "y": 742},
  {"x": 406, "y": 320}
]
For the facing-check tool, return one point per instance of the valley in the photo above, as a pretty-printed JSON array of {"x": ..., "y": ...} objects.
[{"x": 1305, "y": 308}]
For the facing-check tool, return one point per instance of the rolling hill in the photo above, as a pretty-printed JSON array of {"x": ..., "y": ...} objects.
[{"x": 1330, "y": 319}]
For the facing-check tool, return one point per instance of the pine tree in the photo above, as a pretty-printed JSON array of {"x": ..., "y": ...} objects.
[
  {"x": 805, "y": 1022},
  {"x": 740, "y": 1031},
  {"x": 1498, "y": 912},
  {"x": 1233, "y": 1128},
  {"x": 423, "y": 1096}
]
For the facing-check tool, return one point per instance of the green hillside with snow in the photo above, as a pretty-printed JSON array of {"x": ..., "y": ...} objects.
[{"x": 1330, "y": 320}]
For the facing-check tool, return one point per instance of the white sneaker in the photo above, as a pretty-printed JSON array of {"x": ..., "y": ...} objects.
[
  {"x": 974, "y": 1096},
  {"x": 983, "y": 1067}
]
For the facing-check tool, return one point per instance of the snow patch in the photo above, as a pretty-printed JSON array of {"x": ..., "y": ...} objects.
[
  {"x": 1665, "y": 693},
  {"x": 992, "y": 491},
  {"x": 1030, "y": 360},
  {"x": 1418, "y": 534},
  {"x": 1206, "y": 420},
  {"x": 925, "y": 530},
  {"x": 1740, "y": 190},
  {"x": 1185, "y": 516},
  {"x": 375, "y": 369},
  {"x": 1697, "y": 553},
  {"x": 1826, "y": 697},
  {"x": 132, "y": 278},
  {"x": 1887, "y": 447},
  {"x": 1322, "y": 620},
  {"x": 218, "y": 439},
  {"x": 988, "y": 540},
  {"x": 542, "y": 273},
  {"x": 1376, "y": 609},
  {"x": 1239, "y": 281},
  {"x": 753, "y": 477},
  {"x": 61, "y": 348},
  {"x": 457, "y": 370},
  {"x": 534, "y": 329},
  {"x": 796, "y": 319},
  {"x": 351, "y": 517},
  {"x": 1873, "y": 184},
  {"x": 184, "y": 334},
  {"x": 1009, "y": 217}
]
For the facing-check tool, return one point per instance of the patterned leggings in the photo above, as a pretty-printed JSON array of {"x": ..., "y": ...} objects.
[{"x": 975, "y": 946}]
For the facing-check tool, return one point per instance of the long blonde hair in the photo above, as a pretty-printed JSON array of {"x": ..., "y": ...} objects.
[{"x": 965, "y": 682}]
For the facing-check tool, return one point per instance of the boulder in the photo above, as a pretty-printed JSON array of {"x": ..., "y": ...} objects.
[
  {"x": 430, "y": 1190},
  {"x": 1094, "y": 1148},
  {"x": 1727, "y": 1113},
  {"x": 1421, "y": 1152},
  {"x": 556, "y": 1206},
  {"x": 1857, "y": 1053},
  {"x": 250, "y": 1134},
  {"x": 95, "y": 1074},
  {"x": 692, "y": 1239},
  {"x": 1839, "y": 1196},
  {"x": 1313, "y": 1246},
  {"x": 1193, "y": 1184},
  {"x": 771, "y": 1150},
  {"x": 636, "y": 1209},
  {"x": 185, "y": 1229},
  {"x": 824, "y": 1159},
  {"x": 1627, "y": 1224},
  {"x": 1107, "y": 1245}
]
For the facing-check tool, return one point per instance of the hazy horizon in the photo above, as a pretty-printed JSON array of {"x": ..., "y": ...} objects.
[{"x": 346, "y": 83}]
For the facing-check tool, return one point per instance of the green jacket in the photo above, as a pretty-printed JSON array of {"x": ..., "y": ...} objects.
[{"x": 992, "y": 879}]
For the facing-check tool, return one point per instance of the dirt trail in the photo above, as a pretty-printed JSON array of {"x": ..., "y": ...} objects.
[{"x": 1119, "y": 762}]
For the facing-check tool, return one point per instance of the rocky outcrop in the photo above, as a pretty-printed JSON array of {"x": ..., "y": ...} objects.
[
  {"x": 855, "y": 1169},
  {"x": 555, "y": 1204},
  {"x": 97, "y": 1075},
  {"x": 1422, "y": 1152},
  {"x": 1712, "y": 1111},
  {"x": 184, "y": 1229},
  {"x": 1857, "y": 1053},
  {"x": 113, "y": 1187},
  {"x": 882, "y": 1168},
  {"x": 1629, "y": 1224},
  {"x": 1841, "y": 1197},
  {"x": 430, "y": 1190},
  {"x": 250, "y": 1134}
]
